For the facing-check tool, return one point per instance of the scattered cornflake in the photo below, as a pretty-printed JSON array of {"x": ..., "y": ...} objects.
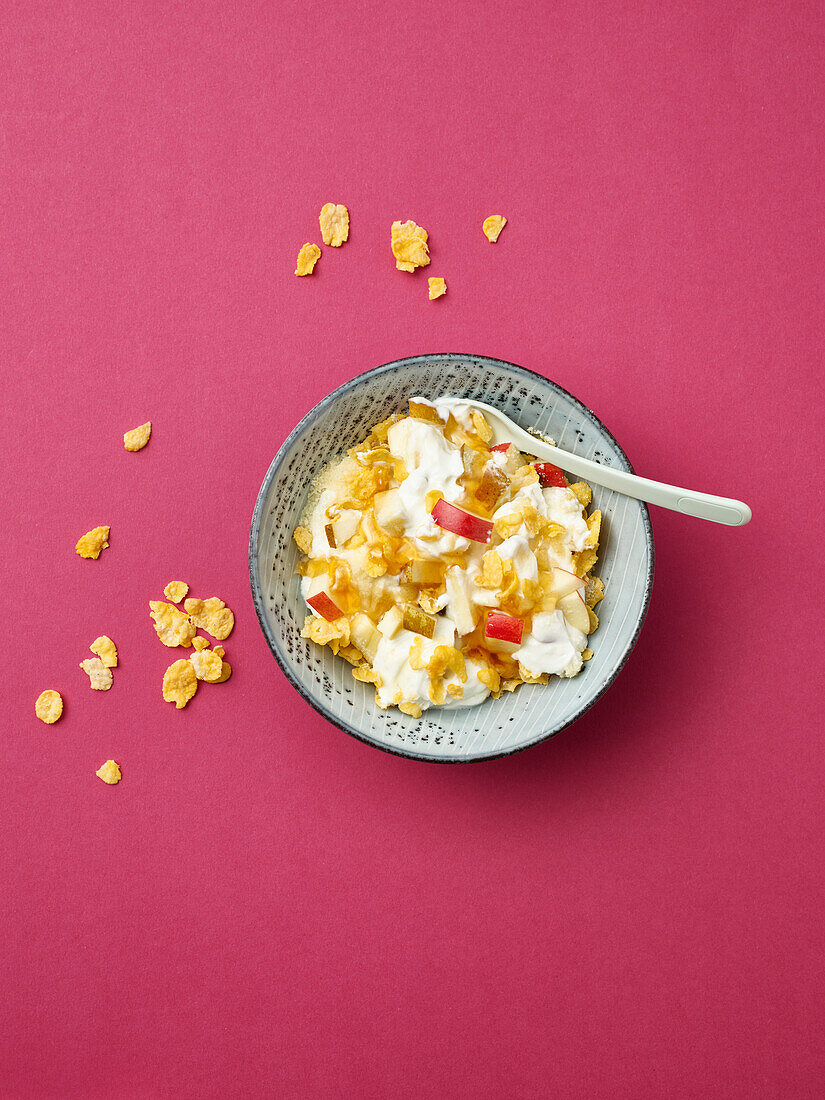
[
  {"x": 200, "y": 643},
  {"x": 594, "y": 524},
  {"x": 176, "y": 590},
  {"x": 593, "y": 590},
  {"x": 100, "y": 677},
  {"x": 49, "y": 706},
  {"x": 137, "y": 438},
  {"x": 437, "y": 288},
  {"x": 492, "y": 226},
  {"x": 211, "y": 615},
  {"x": 226, "y": 672},
  {"x": 334, "y": 222},
  {"x": 109, "y": 772},
  {"x": 303, "y": 539},
  {"x": 582, "y": 492},
  {"x": 307, "y": 259},
  {"x": 90, "y": 545},
  {"x": 409, "y": 245},
  {"x": 587, "y": 654},
  {"x": 594, "y": 620},
  {"x": 207, "y": 665},
  {"x": 172, "y": 626},
  {"x": 179, "y": 683},
  {"x": 106, "y": 650},
  {"x": 413, "y": 709}
]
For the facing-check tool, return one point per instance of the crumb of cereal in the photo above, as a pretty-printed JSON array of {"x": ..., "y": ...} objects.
[
  {"x": 307, "y": 259},
  {"x": 172, "y": 626},
  {"x": 587, "y": 653},
  {"x": 100, "y": 677},
  {"x": 90, "y": 544},
  {"x": 437, "y": 288},
  {"x": 492, "y": 226},
  {"x": 226, "y": 672},
  {"x": 106, "y": 650},
  {"x": 334, "y": 222},
  {"x": 137, "y": 438},
  {"x": 207, "y": 665},
  {"x": 48, "y": 706},
  {"x": 109, "y": 772},
  {"x": 211, "y": 615},
  {"x": 179, "y": 683},
  {"x": 176, "y": 590},
  {"x": 409, "y": 245}
]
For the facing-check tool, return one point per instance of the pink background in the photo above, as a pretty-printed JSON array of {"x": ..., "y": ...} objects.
[{"x": 264, "y": 906}]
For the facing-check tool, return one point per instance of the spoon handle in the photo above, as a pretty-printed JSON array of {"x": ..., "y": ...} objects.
[{"x": 734, "y": 513}]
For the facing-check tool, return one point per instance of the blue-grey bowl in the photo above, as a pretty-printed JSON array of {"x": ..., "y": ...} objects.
[{"x": 497, "y": 727}]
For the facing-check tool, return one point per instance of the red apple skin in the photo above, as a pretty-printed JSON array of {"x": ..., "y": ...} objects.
[
  {"x": 504, "y": 628},
  {"x": 321, "y": 603},
  {"x": 461, "y": 523},
  {"x": 550, "y": 475},
  {"x": 502, "y": 446}
]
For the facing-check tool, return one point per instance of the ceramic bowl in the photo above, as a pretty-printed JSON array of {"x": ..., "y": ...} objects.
[{"x": 497, "y": 727}]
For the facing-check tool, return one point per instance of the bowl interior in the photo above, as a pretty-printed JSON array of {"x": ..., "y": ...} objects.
[{"x": 496, "y": 727}]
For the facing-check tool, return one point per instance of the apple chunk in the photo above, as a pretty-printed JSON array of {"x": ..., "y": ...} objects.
[
  {"x": 465, "y": 524},
  {"x": 563, "y": 582},
  {"x": 504, "y": 628},
  {"x": 550, "y": 475},
  {"x": 574, "y": 610},
  {"x": 320, "y": 601}
]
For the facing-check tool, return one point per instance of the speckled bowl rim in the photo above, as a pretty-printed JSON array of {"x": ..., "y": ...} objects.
[{"x": 257, "y": 593}]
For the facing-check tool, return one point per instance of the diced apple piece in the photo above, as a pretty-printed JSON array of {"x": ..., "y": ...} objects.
[
  {"x": 426, "y": 572},
  {"x": 419, "y": 621},
  {"x": 550, "y": 475},
  {"x": 574, "y": 610},
  {"x": 329, "y": 531},
  {"x": 420, "y": 411},
  {"x": 504, "y": 628},
  {"x": 466, "y": 524},
  {"x": 492, "y": 485},
  {"x": 512, "y": 456},
  {"x": 321, "y": 601},
  {"x": 502, "y": 446},
  {"x": 473, "y": 461},
  {"x": 364, "y": 636},
  {"x": 391, "y": 621},
  {"x": 389, "y": 511},
  {"x": 460, "y": 609},
  {"x": 562, "y": 583}
]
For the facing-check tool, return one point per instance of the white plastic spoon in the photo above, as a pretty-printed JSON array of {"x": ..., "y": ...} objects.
[{"x": 687, "y": 501}]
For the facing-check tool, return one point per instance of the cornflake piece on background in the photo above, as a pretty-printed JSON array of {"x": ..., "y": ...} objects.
[
  {"x": 172, "y": 626},
  {"x": 226, "y": 672},
  {"x": 211, "y": 615},
  {"x": 106, "y": 650},
  {"x": 437, "y": 288},
  {"x": 409, "y": 245},
  {"x": 179, "y": 683},
  {"x": 176, "y": 590},
  {"x": 90, "y": 544},
  {"x": 334, "y": 222},
  {"x": 199, "y": 643},
  {"x": 137, "y": 438},
  {"x": 492, "y": 226},
  {"x": 100, "y": 677},
  {"x": 307, "y": 259},
  {"x": 49, "y": 706},
  {"x": 109, "y": 772},
  {"x": 207, "y": 665}
]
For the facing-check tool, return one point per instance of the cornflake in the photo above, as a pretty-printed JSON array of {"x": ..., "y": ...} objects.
[
  {"x": 137, "y": 438},
  {"x": 226, "y": 672},
  {"x": 307, "y": 259},
  {"x": 199, "y": 643},
  {"x": 437, "y": 288},
  {"x": 582, "y": 492},
  {"x": 109, "y": 772},
  {"x": 48, "y": 706},
  {"x": 413, "y": 709},
  {"x": 211, "y": 615},
  {"x": 176, "y": 590},
  {"x": 303, "y": 539},
  {"x": 207, "y": 665},
  {"x": 90, "y": 544},
  {"x": 409, "y": 245},
  {"x": 106, "y": 650},
  {"x": 334, "y": 222},
  {"x": 172, "y": 626},
  {"x": 100, "y": 677},
  {"x": 492, "y": 226},
  {"x": 179, "y": 683}
]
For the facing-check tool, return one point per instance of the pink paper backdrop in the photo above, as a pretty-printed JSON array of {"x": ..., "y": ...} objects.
[{"x": 265, "y": 907}]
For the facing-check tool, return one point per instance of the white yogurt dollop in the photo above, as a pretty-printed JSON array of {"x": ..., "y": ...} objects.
[{"x": 553, "y": 646}]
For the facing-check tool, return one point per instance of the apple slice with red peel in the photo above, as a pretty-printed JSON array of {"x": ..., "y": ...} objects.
[
  {"x": 563, "y": 582},
  {"x": 466, "y": 524},
  {"x": 320, "y": 601},
  {"x": 502, "y": 446},
  {"x": 550, "y": 475},
  {"x": 574, "y": 610},
  {"x": 504, "y": 628}
]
